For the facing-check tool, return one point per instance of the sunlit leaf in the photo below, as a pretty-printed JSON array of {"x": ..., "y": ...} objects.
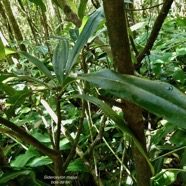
[
  {"x": 22, "y": 159},
  {"x": 82, "y": 8},
  {"x": 2, "y": 50},
  {"x": 49, "y": 110},
  {"x": 39, "y": 3},
  {"x": 166, "y": 177},
  {"x": 39, "y": 161},
  {"x": 9, "y": 51},
  {"x": 88, "y": 30},
  {"x": 72, "y": 6}
]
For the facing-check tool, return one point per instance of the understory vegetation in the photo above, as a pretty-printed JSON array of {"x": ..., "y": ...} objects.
[{"x": 65, "y": 93}]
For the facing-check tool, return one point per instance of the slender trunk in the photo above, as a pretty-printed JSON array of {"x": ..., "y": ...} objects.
[
  {"x": 70, "y": 15},
  {"x": 26, "y": 14},
  {"x": 13, "y": 23},
  {"x": 118, "y": 35}
]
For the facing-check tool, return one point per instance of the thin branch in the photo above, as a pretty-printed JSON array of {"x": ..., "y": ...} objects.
[
  {"x": 144, "y": 8},
  {"x": 98, "y": 137},
  {"x": 24, "y": 136},
  {"x": 58, "y": 132},
  {"x": 3, "y": 160},
  {"x": 155, "y": 31},
  {"x": 70, "y": 15},
  {"x": 74, "y": 146}
]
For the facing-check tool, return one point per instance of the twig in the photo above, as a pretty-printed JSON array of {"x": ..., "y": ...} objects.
[
  {"x": 145, "y": 8},
  {"x": 155, "y": 31}
]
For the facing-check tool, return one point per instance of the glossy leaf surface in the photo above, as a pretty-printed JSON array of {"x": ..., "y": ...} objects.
[
  {"x": 60, "y": 58},
  {"x": 155, "y": 96}
]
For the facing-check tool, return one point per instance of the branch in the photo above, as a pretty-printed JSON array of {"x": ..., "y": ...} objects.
[
  {"x": 155, "y": 31},
  {"x": 144, "y": 8},
  {"x": 24, "y": 136},
  {"x": 58, "y": 132},
  {"x": 98, "y": 137},
  {"x": 118, "y": 35},
  {"x": 74, "y": 145},
  {"x": 70, "y": 15}
]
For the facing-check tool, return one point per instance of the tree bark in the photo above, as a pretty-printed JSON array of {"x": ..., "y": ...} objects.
[
  {"x": 70, "y": 15},
  {"x": 13, "y": 23},
  {"x": 118, "y": 36}
]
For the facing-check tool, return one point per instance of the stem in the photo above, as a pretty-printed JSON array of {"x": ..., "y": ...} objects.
[
  {"x": 58, "y": 132},
  {"x": 119, "y": 41},
  {"x": 24, "y": 136},
  {"x": 73, "y": 149},
  {"x": 155, "y": 31}
]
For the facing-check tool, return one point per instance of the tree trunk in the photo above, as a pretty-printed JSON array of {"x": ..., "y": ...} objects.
[
  {"x": 13, "y": 23},
  {"x": 118, "y": 35}
]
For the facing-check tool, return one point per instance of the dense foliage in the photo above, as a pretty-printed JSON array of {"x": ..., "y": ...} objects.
[{"x": 58, "y": 84}]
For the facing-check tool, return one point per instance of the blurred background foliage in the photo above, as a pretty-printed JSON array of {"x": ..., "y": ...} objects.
[{"x": 30, "y": 86}]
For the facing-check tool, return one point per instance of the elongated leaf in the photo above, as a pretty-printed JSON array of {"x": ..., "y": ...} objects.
[
  {"x": 166, "y": 177},
  {"x": 60, "y": 59},
  {"x": 38, "y": 63},
  {"x": 22, "y": 159},
  {"x": 82, "y": 8},
  {"x": 2, "y": 50},
  {"x": 77, "y": 166},
  {"x": 49, "y": 110},
  {"x": 12, "y": 175},
  {"x": 39, "y": 3},
  {"x": 15, "y": 99},
  {"x": 39, "y": 161},
  {"x": 119, "y": 122},
  {"x": 157, "y": 97},
  {"x": 8, "y": 89},
  {"x": 88, "y": 30}
]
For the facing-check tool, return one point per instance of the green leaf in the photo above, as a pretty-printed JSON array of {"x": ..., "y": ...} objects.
[
  {"x": 9, "y": 51},
  {"x": 5, "y": 76},
  {"x": 177, "y": 135},
  {"x": 89, "y": 29},
  {"x": 39, "y": 3},
  {"x": 72, "y": 5},
  {"x": 15, "y": 100},
  {"x": 37, "y": 62},
  {"x": 14, "y": 174},
  {"x": 44, "y": 138},
  {"x": 119, "y": 122},
  {"x": 2, "y": 50},
  {"x": 77, "y": 166},
  {"x": 60, "y": 59},
  {"x": 179, "y": 75},
  {"x": 43, "y": 160},
  {"x": 8, "y": 89},
  {"x": 166, "y": 177},
  {"x": 158, "y": 164},
  {"x": 155, "y": 96},
  {"x": 22, "y": 159},
  {"x": 64, "y": 144},
  {"x": 82, "y": 8}
]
